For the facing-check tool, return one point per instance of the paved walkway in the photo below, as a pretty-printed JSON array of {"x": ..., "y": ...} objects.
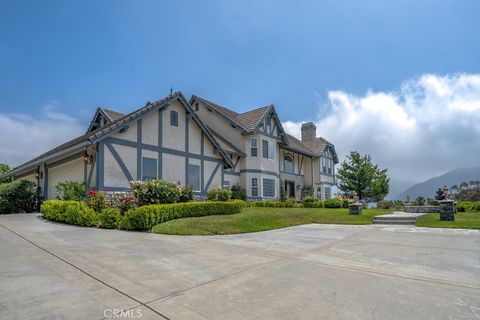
[{"x": 54, "y": 271}]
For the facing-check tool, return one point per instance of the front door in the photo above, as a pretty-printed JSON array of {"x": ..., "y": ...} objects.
[{"x": 290, "y": 189}]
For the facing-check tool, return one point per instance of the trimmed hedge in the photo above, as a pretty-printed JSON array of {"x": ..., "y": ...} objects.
[
  {"x": 109, "y": 218},
  {"x": 313, "y": 204},
  {"x": 468, "y": 206},
  {"x": 144, "y": 218},
  {"x": 71, "y": 212},
  {"x": 333, "y": 203},
  {"x": 17, "y": 196},
  {"x": 289, "y": 203}
]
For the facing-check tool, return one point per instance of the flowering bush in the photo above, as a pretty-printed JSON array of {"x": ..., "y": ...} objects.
[
  {"x": 96, "y": 200},
  {"x": 123, "y": 202},
  {"x": 219, "y": 194},
  {"x": 155, "y": 192},
  {"x": 186, "y": 194}
]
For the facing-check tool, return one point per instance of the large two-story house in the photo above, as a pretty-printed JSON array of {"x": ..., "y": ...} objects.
[{"x": 197, "y": 143}]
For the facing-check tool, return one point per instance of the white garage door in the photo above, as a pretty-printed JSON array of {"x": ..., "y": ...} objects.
[{"x": 70, "y": 171}]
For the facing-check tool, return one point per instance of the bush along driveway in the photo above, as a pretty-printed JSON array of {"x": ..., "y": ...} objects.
[
  {"x": 253, "y": 219},
  {"x": 141, "y": 218}
]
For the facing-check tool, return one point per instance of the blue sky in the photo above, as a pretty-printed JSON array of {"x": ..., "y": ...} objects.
[
  {"x": 242, "y": 53},
  {"x": 315, "y": 60}
]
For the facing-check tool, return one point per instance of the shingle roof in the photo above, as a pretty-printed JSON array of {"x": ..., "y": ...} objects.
[
  {"x": 248, "y": 121},
  {"x": 120, "y": 121},
  {"x": 296, "y": 145},
  {"x": 251, "y": 119},
  {"x": 112, "y": 115}
]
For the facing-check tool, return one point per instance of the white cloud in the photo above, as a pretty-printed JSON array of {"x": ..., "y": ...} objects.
[
  {"x": 25, "y": 136},
  {"x": 429, "y": 126}
]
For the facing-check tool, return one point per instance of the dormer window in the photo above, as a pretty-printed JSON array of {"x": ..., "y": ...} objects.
[{"x": 174, "y": 118}]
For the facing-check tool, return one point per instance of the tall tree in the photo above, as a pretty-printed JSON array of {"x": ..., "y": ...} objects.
[
  {"x": 358, "y": 175},
  {"x": 4, "y": 168},
  {"x": 472, "y": 183},
  {"x": 463, "y": 185}
]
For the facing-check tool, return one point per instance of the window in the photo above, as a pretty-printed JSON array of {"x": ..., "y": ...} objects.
[
  {"x": 174, "y": 118},
  {"x": 196, "y": 106},
  {"x": 254, "y": 187},
  {"x": 288, "y": 164},
  {"x": 253, "y": 147},
  {"x": 330, "y": 162},
  {"x": 194, "y": 177},
  {"x": 268, "y": 188},
  {"x": 226, "y": 183},
  {"x": 319, "y": 192},
  {"x": 149, "y": 168},
  {"x": 265, "y": 149},
  {"x": 324, "y": 165},
  {"x": 328, "y": 192},
  {"x": 268, "y": 150}
]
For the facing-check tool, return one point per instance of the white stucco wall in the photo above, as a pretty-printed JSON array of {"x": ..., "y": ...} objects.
[
  {"x": 174, "y": 136},
  {"x": 150, "y": 128},
  {"x": 113, "y": 174}
]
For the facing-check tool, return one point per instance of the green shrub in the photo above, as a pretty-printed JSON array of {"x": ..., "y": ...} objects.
[
  {"x": 71, "y": 212},
  {"x": 155, "y": 192},
  {"x": 289, "y": 203},
  {"x": 333, "y": 203},
  {"x": 219, "y": 194},
  {"x": 144, "y": 218},
  {"x": 238, "y": 192},
  {"x": 54, "y": 210},
  {"x": 468, "y": 206},
  {"x": 308, "y": 199},
  {"x": 186, "y": 194},
  {"x": 109, "y": 218},
  {"x": 385, "y": 204},
  {"x": 313, "y": 204},
  {"x": 307, "y": 191},
  {"x": 70, "y": 190},
  {"x": 17, "y": 196}
]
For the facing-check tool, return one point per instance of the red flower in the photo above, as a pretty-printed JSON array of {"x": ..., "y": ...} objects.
[{"x": 92, "y": 193}]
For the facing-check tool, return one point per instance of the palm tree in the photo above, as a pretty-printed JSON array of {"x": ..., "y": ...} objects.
[
  {"x": 454, "y": 188},
  {"x": 463, "y": 185}
]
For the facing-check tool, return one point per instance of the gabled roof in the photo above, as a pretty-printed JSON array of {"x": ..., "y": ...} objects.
[
  {"x": 112, "y": 115},
  {"x": 296, "y": 145},
  {"x": 248, "y": 121},
  {"x": 252, "y": 119},
  {"x": 318, "y": 145},
  {"x": 95, "y": 135}
]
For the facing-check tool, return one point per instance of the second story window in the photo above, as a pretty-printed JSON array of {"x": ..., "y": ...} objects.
[
  {"x": 253, "y": 147},
  {"x": 268, "y": 150},
  {"x": 288, "y": 164},
  {"x": 174, "y": 118}
]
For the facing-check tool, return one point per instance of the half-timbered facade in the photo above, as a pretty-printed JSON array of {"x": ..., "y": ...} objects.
[{"x": 196, "y": 143}]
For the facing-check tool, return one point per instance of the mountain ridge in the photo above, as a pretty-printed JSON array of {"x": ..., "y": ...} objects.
[{"x": 427, "y": 188}]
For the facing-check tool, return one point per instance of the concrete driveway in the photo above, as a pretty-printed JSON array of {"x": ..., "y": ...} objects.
[{"x": 54, "y": 271}]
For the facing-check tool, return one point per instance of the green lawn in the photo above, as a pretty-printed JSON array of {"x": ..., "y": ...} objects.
[
  {"x": 254, "y": 219},
  {"x": 465, "y": 220}
]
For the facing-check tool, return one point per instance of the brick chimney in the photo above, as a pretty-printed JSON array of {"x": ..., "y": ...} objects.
[{"x": 309, "y": 131}]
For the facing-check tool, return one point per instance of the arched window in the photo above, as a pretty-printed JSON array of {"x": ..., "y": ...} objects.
[
  {"x": 174, "y": 118},
  {"x": 288, "y": 164}
]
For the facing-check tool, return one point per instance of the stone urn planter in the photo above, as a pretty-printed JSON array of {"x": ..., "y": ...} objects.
[{"x": 355, "y": 208}]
